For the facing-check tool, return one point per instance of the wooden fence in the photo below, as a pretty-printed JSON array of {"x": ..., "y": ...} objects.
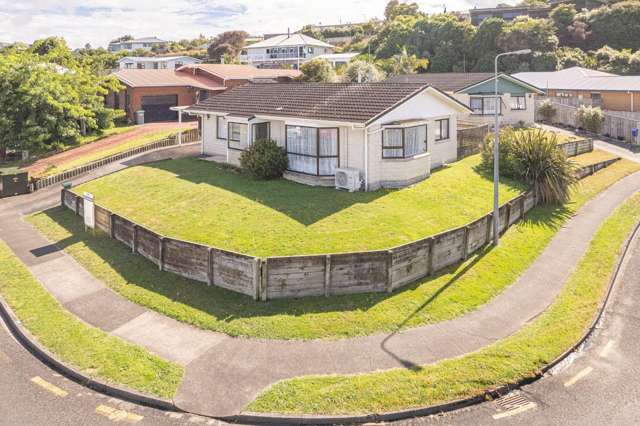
[
  {"x": 471, "y": 138},
  {"x": 314, "y": 275},
  {"x": 192, "y": 135},
  {"x": 614, "y": 126},
  {"x": 577, "y": 147}
]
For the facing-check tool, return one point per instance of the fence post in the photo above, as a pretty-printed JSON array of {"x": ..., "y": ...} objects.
[
  {"x": 62, "y": 194},
  {"x": 432, "y": 244},
  {"x": 112, "y": 225},
  {"x": 264, "y": 282},
  {"x": 489, "y": 227},
  {"x": 77, "y": 206},
  {"x": 465, "y": 253},
  {"x": 506, "y": 222},
  {"x": 389, "y": 263},
  {"x": 523, "y": 199},
  {"x": 327, "y": 275},
  {"x": 161, "y": 254},
  {"x": 257, "y": 277},
  {"x": 134, "y": 242},
  {"x": 211, "y": 269}
]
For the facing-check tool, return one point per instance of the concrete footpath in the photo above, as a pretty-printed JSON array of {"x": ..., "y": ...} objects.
[{"x": 223, "y": 374}]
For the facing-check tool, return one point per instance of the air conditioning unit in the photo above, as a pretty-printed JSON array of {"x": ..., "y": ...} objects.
[{"x": 348, "y": 179}]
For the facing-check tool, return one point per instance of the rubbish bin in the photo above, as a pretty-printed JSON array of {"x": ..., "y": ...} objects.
[
  {"x": 634, "y": 134},
  {"x": 140, "y": 117}
]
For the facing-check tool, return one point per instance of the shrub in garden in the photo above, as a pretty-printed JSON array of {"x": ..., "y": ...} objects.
[
  {"x": 547, "y": 110},
  {"x": 264, "y": 159},
  {"x": 590, "y": 118},
  {"x": 533, "y": 157}
]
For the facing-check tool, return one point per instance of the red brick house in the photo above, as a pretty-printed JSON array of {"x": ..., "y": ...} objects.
[{"x": 156, "y": 91}]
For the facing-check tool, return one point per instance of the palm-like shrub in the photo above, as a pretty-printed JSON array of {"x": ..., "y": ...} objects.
[
  {"x": 264, "y": 159},
  {"x": 533, "y": 156}
]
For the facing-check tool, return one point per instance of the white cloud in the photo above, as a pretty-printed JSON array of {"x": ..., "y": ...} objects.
[{"x": 98, "y": 21}]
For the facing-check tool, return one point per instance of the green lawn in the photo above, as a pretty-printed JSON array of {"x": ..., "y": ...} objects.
[
  {"x": 94, "y": 352},
  {"x": 98, "y": 155},
  {"x": 456, "y": 291},
  {"x": 199, "y": 201},
  {"x": 516, "y": 357},
  {"x": 593, "y": 157}
]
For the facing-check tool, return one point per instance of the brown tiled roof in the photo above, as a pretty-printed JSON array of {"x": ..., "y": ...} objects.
[
  {"x": 447, "y": 82},
  {"x": 351, "y": 102},
  {"x": 165, "y": 78},
  {"x": 242, "y": 72}
]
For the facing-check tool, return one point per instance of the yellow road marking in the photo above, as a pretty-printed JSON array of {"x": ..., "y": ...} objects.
[
  {"x": 48, "y": 386},
  {"x": 581, "y": 375},
  {"x": 116, "y": 415},
  {"x": 605, "y": 351},
  {"x": 515, "y": 411}
]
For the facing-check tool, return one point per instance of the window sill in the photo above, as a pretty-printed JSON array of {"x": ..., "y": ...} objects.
[
  {"x": 438, "y": 141},
  {"x": 406, "y": 159}
]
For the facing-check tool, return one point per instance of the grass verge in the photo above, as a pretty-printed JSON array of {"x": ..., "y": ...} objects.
[
  {"x": 593, "y": 157},
  {"x": 92, "y": 351},
  {"x": 456, "y": 291},
  {"x": 98, "y": 155},
  {"x": 507, "y": 361}
]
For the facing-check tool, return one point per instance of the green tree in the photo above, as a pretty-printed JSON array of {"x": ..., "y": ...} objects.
[
  {"x": 403, "y": 63},
  {"x": 572, "y": 57},
  {"x": 317, "y": 70},
  {"x": 395, "y": 8},
  {"x": 364, "y": 72},
  {"x": 617, "y": 26},
  {"x": 484, "y": 45},
  {"x": 227, "y": 43},
  {"x": 527, "y": 33},
  {"x": 46, "y": 106},
  {"x": 563, "y": 17}
]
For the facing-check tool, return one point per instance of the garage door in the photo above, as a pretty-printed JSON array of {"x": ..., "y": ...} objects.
[{"x": 156, "y": 108}]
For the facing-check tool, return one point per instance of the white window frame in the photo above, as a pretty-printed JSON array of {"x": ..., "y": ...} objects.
[
  {"x": 438, "y": 135},
  {"x": 515, "y": 104}
]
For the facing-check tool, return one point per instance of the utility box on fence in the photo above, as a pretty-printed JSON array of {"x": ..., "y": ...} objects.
[{"x": 14, "y": 184}]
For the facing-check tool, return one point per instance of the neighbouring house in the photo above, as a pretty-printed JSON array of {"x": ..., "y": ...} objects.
[
  {"x": 145, "y": 43},
  {"x": 577, "y": 86},
  {"x": 338, "y": 33},
  {"x": 288, "y": 50},
  {"x": 156, "y": 62},
  {"x": 156, "y": 91},
  {"x": 371, "y": 134},
  {"x": 508, "y": 13},
  {"x": 339, "y": 59},
  {"x": 477, "y": 91}
]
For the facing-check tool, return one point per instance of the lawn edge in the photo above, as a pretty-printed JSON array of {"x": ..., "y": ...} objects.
[
  {"x": 31, "y": 344},
  {"x": 488, "y": 394}
]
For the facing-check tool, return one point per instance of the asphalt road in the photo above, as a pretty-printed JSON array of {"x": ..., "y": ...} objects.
[
  {"x": 32, "y": 394},
  {"x": 600, "y": 387}
]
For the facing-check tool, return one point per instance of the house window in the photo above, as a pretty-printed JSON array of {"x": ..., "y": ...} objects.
[
  {"x": 313, "y": 151},
  {"x": 178, "y": 64},
  {"x": 261, "y": 131},
  {"x": 221, "y": 127},
  {"x": 518, "y": 102},
  {"x": 140, "y": 66},
  {"x": 237, "y": 136},
  {"x": 404, "y": 142},
  {"x": 128, "y": 65},
  {"x": 310, "y": 50},
  {"x": 442, "y": 129},
  {"x": 484, "y": 105}
]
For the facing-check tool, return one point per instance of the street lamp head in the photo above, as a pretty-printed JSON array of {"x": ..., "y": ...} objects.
[{"x": 522, "y": 52}]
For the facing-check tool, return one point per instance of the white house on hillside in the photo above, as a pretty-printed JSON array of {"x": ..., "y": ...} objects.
[
  {"x": 155, "y": 62},
  {"x": 348, "y": 135},
  {"x": 286, "y": 49},
  {"x": 146, "y": 43}
]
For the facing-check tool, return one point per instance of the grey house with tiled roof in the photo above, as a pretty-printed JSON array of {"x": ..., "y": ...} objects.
[
  {"x": 477, "y": 91},
  {"x": 380, "y": 134}
]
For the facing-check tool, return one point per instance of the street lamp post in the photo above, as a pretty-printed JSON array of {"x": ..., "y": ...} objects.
[{"x": 496, "y": 149}]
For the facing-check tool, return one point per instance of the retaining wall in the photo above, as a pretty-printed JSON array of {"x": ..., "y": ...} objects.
[{"x": 314, "y": 275}]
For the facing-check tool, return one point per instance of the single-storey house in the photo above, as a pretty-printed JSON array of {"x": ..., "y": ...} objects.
[
  {"x": 156, "y": 91},
  {"x": 584, "y": 86},
  {"x": 477, "y": 91},
  {"x": 155, "y": 62},
  {"x": 377, "y": 134}
]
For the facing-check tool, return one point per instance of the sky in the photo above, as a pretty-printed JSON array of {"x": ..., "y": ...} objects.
[{"x": 98, "y": 21}]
